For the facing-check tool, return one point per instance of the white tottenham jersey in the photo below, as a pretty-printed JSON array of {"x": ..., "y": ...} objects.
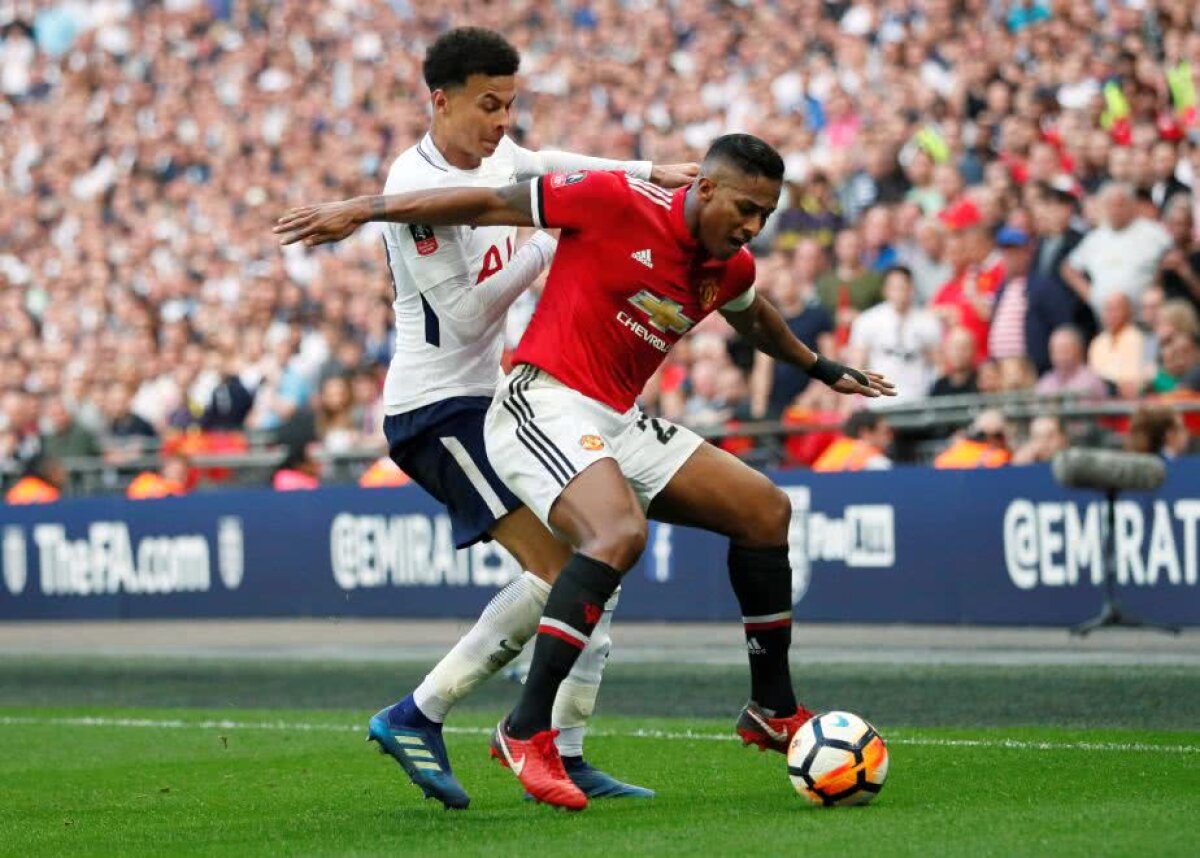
[{"x": 454, "y": 284}]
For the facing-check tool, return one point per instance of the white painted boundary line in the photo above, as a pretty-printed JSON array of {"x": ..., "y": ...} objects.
[{"x": 685, "y": 735}]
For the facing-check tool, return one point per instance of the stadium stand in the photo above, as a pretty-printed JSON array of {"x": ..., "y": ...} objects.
[{"x": 999, "y": 151}]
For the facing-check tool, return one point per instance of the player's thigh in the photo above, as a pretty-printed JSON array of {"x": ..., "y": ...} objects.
[
  {"x": 532, "y": 544},
  {"x": 599, "y": 513},
  {"x": 553, "y": 447},
  {"x": 716, "y": 491},
  {"x": 442, "y": 448},
  {"x": 651, "y": 451}
]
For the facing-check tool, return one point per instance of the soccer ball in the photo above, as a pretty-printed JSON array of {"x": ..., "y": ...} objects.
[{"x": 837, "y": 759}]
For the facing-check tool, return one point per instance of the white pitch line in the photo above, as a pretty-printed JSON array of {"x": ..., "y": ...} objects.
[{"x": 684, "y": 735}]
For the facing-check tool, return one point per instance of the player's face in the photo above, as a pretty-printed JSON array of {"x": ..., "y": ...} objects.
[
  {"x": 734, "y": 209},
  {"x": 477, "y": 114}
]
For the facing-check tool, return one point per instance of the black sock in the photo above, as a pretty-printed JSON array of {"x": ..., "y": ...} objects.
[
  {"x": 762, "y": 582},
  {"x": 572, "y": 610}
]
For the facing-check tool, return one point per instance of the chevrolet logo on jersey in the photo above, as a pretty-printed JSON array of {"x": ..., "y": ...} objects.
[{"x": 663, "y": 313}]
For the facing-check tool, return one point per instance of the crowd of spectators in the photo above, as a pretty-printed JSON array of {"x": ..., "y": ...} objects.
[{"x": 981, "y": 196}]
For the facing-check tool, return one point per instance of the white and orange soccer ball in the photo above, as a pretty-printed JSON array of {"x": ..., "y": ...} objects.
[{"x": 837, "y": 759}]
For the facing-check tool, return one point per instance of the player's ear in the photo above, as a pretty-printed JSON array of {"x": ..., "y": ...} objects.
[
  {"x": 705, "y": 188},
  {"x": 439, "y": 100}
]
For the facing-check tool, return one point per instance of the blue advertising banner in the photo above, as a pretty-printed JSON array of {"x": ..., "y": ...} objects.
[{"x": 912, "y": 545}]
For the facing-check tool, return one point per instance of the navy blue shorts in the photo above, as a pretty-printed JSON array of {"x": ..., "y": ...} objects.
[{"x": 441, "y": 447}]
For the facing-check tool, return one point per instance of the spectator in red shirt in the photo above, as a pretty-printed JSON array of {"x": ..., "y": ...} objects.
[{"x": 966, "y": 299}]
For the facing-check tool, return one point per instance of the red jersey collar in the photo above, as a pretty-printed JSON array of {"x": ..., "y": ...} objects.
[{"x": 678, "y": 223}]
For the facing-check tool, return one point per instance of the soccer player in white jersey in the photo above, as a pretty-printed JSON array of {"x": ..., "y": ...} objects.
[{"x": 453, "y": 288}]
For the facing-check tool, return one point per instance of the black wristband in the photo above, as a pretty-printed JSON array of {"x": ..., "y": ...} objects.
[{"x": 830, "y": 372}]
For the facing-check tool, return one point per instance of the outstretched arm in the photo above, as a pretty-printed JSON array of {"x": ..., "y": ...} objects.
[
  {"x": 332, "y": 222},
  {"x": 531, "y": 163},
  {"x": 762, "y": 325}
]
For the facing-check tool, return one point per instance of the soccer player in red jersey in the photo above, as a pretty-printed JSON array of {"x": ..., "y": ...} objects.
[{"x": 637, "y": 267}]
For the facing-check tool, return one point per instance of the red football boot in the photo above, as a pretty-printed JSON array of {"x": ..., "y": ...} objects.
[
  {"x": 756, "y": 727},
  {"x": 536, "y": 763}
]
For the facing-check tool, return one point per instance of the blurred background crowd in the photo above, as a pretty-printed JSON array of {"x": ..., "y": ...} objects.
[{"x": 982, "y": 197}]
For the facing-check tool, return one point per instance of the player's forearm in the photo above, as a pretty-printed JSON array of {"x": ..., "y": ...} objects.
[
  {"x": 551, "y": 161},
  {"x": 769, "y": 333},
  {"x": 330, "y": 222},
  {"x": 474, "y": 309},
  {"x": 445, "y": 207}
]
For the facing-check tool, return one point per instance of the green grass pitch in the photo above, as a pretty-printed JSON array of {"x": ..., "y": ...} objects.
[{"x": 125, "y": 768}]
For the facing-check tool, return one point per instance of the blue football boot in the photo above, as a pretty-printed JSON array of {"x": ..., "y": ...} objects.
[
  {"x": 415, "y": 742},
  {"x": 597, "y": 784}
]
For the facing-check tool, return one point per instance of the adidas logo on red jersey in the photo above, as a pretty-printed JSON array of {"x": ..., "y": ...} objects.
[{"x": 643, "y": 256}]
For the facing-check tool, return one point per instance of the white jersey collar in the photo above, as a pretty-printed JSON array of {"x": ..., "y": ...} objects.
[{"x": 433, "y": 156}]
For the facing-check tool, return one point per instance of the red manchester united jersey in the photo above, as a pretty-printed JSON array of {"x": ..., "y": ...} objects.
[{"x": 628, "y": 280}]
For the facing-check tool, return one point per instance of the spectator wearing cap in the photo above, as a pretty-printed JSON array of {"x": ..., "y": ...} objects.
[
  {"x": 1118, "y": 351},
  {"x": 850, "y": 287},
  {"x": 1051, "y": 301},
  {"x": 1179, "y": 271},
  {"x": 897, "y": 339},
  {"x": 862, "y": 445},
  {"x": 966, "y": 299},
  {"x": 1120, "y": 255},
  {"x": 1006, "y": 337},
  {"x": 1069, "y": 372}
]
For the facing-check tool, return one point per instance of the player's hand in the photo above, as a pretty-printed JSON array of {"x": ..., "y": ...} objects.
[
  {"x": 877, "y": 385},
  {"x": 674, "y": 175},
  {"x": 322, "y": 224}
]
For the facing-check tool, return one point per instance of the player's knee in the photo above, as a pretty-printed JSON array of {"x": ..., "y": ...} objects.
[
  {"x": 766, "y": 521},
  {"x": 620, "y": 543}
]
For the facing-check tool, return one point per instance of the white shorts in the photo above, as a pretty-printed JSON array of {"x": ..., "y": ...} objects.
[{"x": 541, "y": 433}]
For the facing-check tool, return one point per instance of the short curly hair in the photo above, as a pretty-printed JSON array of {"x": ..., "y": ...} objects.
[{"x": 457, "y": 54}]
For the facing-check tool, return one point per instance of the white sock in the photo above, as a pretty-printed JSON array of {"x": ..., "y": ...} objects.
[
  {"x": 506, "y": 624},
  {"x": 576, "y": 699}
]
